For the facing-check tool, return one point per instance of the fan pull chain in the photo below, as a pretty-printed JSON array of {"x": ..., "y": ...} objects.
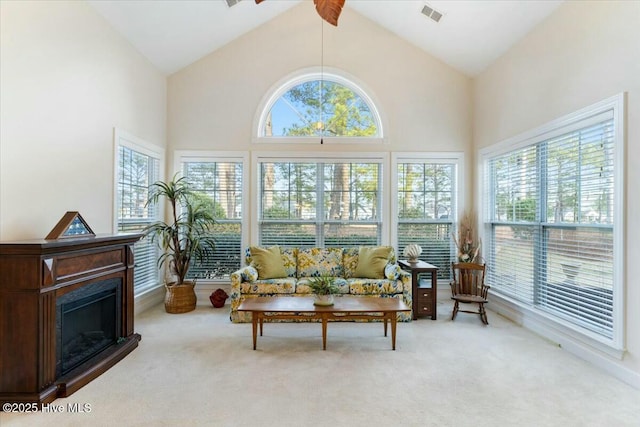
[{"x": 321, "y": 81}]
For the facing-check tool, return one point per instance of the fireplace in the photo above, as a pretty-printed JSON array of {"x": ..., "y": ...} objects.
[
  {"x": 66, "y": 313},
  {"x": 87, "y": 322}
]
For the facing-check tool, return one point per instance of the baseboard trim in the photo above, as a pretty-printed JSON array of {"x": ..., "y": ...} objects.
[
  {"x": 155, "y": 296},
  {"x": 610, "y": 361},
  {"x": 148, "y": 299},
  {"x": 204, "y": 290}
]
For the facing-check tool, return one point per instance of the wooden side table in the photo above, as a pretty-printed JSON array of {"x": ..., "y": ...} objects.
[{"x": 424, "y": 297}]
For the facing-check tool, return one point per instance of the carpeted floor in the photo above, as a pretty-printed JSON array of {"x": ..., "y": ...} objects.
[{"x": 199, "y": 369}]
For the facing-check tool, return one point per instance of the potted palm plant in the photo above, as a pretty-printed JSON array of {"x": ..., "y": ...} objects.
[
  {"x": 185, "y": 241},
  {"x": 324, "y": 288}
]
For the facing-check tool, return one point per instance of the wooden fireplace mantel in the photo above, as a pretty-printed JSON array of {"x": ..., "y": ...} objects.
[{"x": 33, "y": 274}]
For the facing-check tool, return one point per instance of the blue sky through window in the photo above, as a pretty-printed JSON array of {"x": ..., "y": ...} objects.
[
  {"x": 282, "y": 117},
  {"x": 300, "y": 112}
]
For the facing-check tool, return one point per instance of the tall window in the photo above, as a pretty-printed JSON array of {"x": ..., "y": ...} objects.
[
  {"x": 552, "y": 220},
  {"x": 137, "y": 168},
  {"x": 331, "y": 203},
  {"x": 218, "y": 182},
  {"x": 321, "y": 105},
  {"x": 426, "y": 207}
]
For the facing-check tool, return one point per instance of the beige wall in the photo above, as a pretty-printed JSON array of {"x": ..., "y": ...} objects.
[
  {"x": 67, "y": 79},
  {"x": 583, "y": 53},
  {"x": 426, "y": 104}
]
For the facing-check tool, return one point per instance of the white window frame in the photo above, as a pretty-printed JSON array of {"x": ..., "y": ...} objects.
[
  {"x": 456, "y": 158},
  {"x": 125, "y": 139},
  {"x": 372, "y": 157},
  {"x": 310, "y": 74},
  {"x": 550, "y": 326},
  {"x": 184, "y": 156}
]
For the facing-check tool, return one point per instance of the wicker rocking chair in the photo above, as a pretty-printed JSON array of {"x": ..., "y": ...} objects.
[{"x": 468, "y": 287}]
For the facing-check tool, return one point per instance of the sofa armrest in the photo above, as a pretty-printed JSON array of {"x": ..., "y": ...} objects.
[
  {"x": 245, "y": 274},
  {"x": 405, "y": 277},
  {"x": 393, "y": 272}
]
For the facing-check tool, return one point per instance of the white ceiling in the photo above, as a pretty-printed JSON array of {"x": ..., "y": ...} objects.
[{"x": 469, "y": 37}]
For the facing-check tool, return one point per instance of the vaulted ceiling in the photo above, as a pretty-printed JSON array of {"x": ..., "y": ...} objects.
[{"x": 469, "y": 35}]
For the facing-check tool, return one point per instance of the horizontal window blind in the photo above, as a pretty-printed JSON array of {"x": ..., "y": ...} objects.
[
  {"x": 136, "y": 172},
  {"x": 552, "y": 224},
  {"x": 516, "y": 186},
  {"x": 146, "y": 273},
  {"x": 304, "y": 204},
  {"x": 350, "y": 234},
  {"x": 577, "y": 276},
  {"x": 288, "y": 234},
  {"x": 579, "y": 176},
  {"x": 218, "y": 184},
  {"x": 426, "y": 203},
  {"x": 512, "y": 261}
]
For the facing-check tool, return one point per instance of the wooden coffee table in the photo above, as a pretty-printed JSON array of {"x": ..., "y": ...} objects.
[{"x": 344, "y": 308}]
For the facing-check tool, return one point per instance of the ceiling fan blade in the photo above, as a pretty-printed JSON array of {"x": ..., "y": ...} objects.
[{"x": 329, "y": 10}]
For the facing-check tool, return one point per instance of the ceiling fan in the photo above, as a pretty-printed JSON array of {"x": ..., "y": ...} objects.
[{"x": 329, "y": 10}]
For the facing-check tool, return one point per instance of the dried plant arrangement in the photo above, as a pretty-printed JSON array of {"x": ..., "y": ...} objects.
[{"x": 467, "y": 240}]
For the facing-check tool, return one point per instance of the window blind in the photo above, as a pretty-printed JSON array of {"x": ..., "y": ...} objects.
[
  {"x": 218, "y": 184},
  {"x": 136, "y": 172},
  {"x": 552, "y": 224},
  {"x": 426, "y": 203},
  {"x": 306, "y": 204}
]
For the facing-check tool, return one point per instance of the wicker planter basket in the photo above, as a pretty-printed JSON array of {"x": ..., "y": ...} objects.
[{"x": 180, "y": 298}]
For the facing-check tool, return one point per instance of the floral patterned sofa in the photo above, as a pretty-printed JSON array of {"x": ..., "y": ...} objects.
[{"x": 301, "y": 264}]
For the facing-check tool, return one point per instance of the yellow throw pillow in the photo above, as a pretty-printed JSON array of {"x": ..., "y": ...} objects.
[
  {"x": 371, "y": 261},
  {"x": 268, "y": 262}
]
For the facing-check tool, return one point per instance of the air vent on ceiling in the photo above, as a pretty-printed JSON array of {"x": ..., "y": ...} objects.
[
  {"x": 431, "y": 13},
  {"x": 232, "y": 2}
]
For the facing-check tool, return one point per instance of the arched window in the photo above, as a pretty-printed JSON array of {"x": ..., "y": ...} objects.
[{"x": 319, "y": 105}]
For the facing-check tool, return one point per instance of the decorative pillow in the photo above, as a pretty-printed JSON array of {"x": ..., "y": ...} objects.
[
  {"x": 268, "y": 262},
  {"x": 392, "y": 271},
  {"x": 289, "y": 259},
  {"x": 249, "y": 274},
  {"x": 372, "y": 261}
]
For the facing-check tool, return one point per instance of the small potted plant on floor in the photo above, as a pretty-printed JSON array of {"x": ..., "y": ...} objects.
[
  {"x": 324, "y": 288},
  {"x": 185, "y": 241}
]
